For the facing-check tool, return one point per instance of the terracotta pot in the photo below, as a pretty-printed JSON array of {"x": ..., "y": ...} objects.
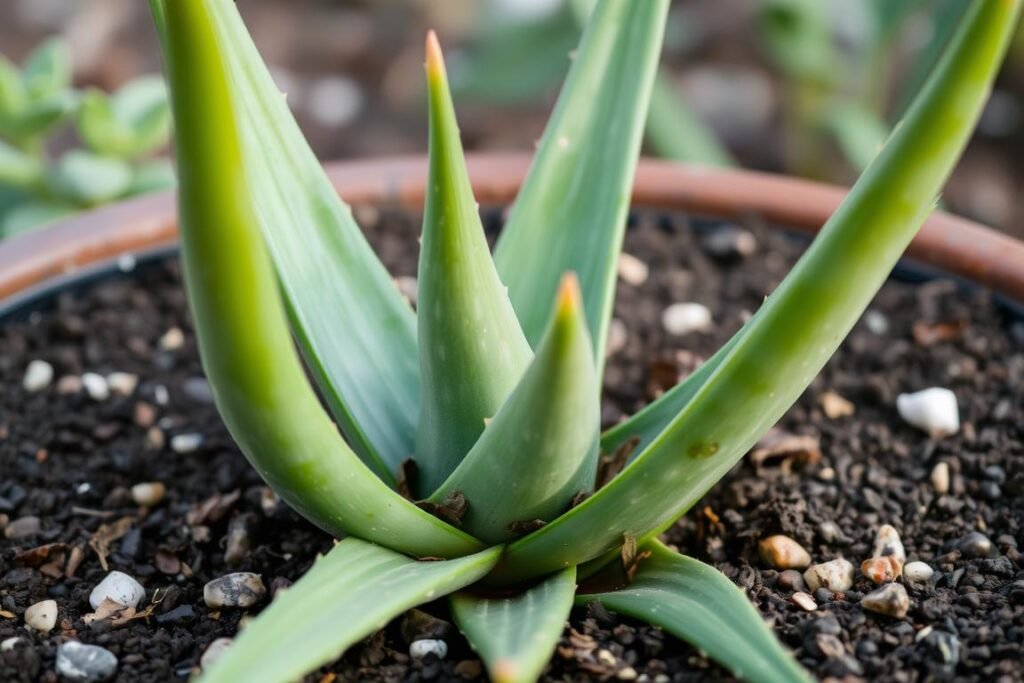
[{"x": 92, "y": 241}]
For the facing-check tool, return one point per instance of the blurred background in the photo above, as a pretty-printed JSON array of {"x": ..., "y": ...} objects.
[{"x": 804, "y": 87}]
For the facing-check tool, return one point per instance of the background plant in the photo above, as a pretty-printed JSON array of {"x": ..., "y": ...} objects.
[
  {"x": 119, "y": 134},
  {"x": 495, "y": 394}
]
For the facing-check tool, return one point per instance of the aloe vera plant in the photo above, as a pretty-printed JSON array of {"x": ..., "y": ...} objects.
[{"x": 493, "y": 393}]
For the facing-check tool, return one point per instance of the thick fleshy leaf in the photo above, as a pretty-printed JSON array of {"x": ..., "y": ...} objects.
[
  {"x": 17, "y": 168},
  {"x": 47, "y": 70},
  {"x": 515, "y": 635},
  {"x": 802, "y": 322},
  {"x": 257, "y": 378},
  {"x": 570, "y": 214},
  {"x": 355, "y": 330},
  {"x": 695, "y": 602},
  {"x": 89, "y": 179},
  {"x": 541, "y": 448},
  {"x": 472, "y": 350},
  {"x": 348, "y": 594},
  {"x": 133, "y": 122}
]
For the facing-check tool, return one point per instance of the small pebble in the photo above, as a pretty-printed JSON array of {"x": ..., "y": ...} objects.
[
  {"x": 148, "y": 494},
  {"x": 122, "y": 383},
  {"x": 934, "y": 411},
  {"x": 876, "y": 321},
  {"x": 172, "y": 340},
  {"x": 618, "y": 335},
  {"x": 836, "y": 576},
  {"x": 804, "y": 601},
  {"x": 118, "y": 587},
  {"x": 214, "y": 651},
  {"x": 161, "y": 395},
  {"x": 8, "y": 644},
  {"x": 940, "y": 478},
  {"x": 632, "y": 270},
  {"x": 882, "y": 569},
  {"x": 241, "y": 589},
  {"x": 69, "y": 385},
  {"x": 42, "y": 616},
  {"x": 683, "y": 318},
  {"x": 186, "y": 443},
  {"x": 23, "y": 527},
  {"x": 791, "y": 579},
  {"x": 782, "y": 552},
  {"x": 973, "y": 545},
  {"x": 79, "y": 662},
  {"x": 888, "y": 544},
  {"x": 917, "y": 572},
  {"x": 238, "y": 543},
  {"x": 419, "y": 649},
  {"x": 408, "y": 286},
  {"x": 198, "y": 389},
  {"x": 38, "y": 376},
  {"x": 891, "y": 600},
  {"x": 96, "y": 386},
  {"x": 835, "y": 406},
  {"x": 729, "y": 242}
]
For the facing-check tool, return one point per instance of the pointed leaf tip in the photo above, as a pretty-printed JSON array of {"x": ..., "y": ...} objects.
[
  {"x": 435, "y": 58},
  {"x": 569, "y": 296}
]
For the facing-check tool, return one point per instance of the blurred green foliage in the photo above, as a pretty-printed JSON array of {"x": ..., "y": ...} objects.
[{"x": 119, "y": 134}]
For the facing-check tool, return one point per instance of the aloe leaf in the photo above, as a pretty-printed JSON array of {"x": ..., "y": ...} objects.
[
  {"x": 348, "y": 594},
  {"x": 244, "y": 341},
  {"x": 802, "y": 322},
  {"x": 697, "y": 603},
  {"x": 515, "y": 635},
  {"x": 678, "y": 133},
  {"x": 570, "y": 214},
  {"x": 472, "y": 350},
  {"x": 541, "y": 448},
  {"x": 355, "y": 330}
]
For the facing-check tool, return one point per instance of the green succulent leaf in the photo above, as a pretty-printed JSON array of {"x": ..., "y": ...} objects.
[
  {"x": 695, "y": 602},
  {"x": 472, "y": 350},
  {"x": 12, "y": 93},
  {"x": 89, "y": 179},
  {"x": 570, "y": 214},
  {"x": 134, "y": 121},
  {"x": 348, "y": 594},
  {"x": 859, "y": 132},
  {"x": 47, "y": 70},
  {"x": 541, "y": 448},
  {"x": 258, "y": 381},
  {"x": 40, "y": 117},
  {"x": 17, "y": 168},
  {"x": 515, "y": 635},
  {"x": 32, "y": 214},
  {"x": 823, "y": 296},
  {"x": 357, "y": 333},
  {"x": 152, "y": 176},
  {"x": 798, "y": 37}
]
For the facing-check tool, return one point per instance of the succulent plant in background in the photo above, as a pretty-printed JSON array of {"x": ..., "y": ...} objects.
[
  {"x": 493, "y": 392},
  {"x": 119, "y": 133}
]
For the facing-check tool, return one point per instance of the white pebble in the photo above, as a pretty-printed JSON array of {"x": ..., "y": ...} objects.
[
  {"x": 421, "y": 648},
  {"x": 940, "y": 478},
  {"x": 161, "y": 395},
  {"x": 172, "y": 340},
  {"x": 836, "y": 575},
  {"x": 888, "y": 543},
  {"x": 186, "y": 443},
  {"x": 804, "y": 601},
  {"x": 69, "y": 384},
  {"x": 148, "y": 493},
  {"x": 409, "y": 287},
  {"x": 934, "y": 411},
  {"x": 96, "y": 386},
  {"x": 42, "y": 616},
  {"x": 79, "y": 662},
  {"x": 38, "y": 376},
  {"x": 8, "y": 644},
  {"x": 891, "y": 600},
  {"x": 917, "y": 572},
  {"x": 122, "y": 383},
  {"x": 118, "y": 587},
  {"x": 680, "y": 319},
  {"x": 618, "y": 335},
  {"x": 334, "y": 101},
  {"x": 632, "y": 270},
  {"x": 241, "y": 589},
  {"x": 876, "y": 322},
  {"x": 214, "y": 651}
]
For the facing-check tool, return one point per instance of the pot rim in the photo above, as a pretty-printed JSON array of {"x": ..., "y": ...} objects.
[{"x": 95, "y": 239}]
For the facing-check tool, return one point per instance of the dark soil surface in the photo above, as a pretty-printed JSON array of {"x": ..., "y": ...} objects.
[{"x": 70, "y": 460}]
